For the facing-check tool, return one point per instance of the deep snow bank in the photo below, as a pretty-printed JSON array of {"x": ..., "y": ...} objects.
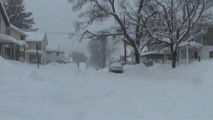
[{"x": 65, "y": 92}]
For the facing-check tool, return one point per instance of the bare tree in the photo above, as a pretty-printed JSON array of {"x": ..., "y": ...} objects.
[
  {"x": 98, "y": 50},
  {"x": 78, "y": 57},
  {"x": 127, "y": 15},
  {"x": 177, "y": 21}
]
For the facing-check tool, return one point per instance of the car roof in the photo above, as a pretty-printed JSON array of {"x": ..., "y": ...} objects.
[{"x": 116, "y": 64}]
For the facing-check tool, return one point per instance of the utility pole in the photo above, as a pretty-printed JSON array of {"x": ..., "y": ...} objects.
[
  {"x": 37, "y": 56},
  {"x": 201, "y": 36},
  {"x": 125, "y": 56}
]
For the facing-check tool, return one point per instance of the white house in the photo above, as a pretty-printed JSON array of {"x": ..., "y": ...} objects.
[
  {"x": 12, "y": 39},
  {"x": 161, "y": 56},
  {"x": 194, "y": 51},
  {"x": 55, "y": 56},
  {"x": 189, "y": 52},
  {"x": 37, "y": 43}
]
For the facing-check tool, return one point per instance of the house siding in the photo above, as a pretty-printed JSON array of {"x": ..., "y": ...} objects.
[
  {"x": 32, "y": 46},
  {"x": 15, "y": 35},
  {"x": 205, "y": 52},
  {"x": 3, "y": 27},
  {"x": 55, "y": 56}
]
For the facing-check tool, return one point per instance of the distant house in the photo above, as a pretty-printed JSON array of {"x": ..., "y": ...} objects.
[
  {"x": 36, "y": 51},
  {"x": 12, "y": 42},
  {"x": 156, "y": 53},
  {"x": 161, "y": 56},
  {"x": 55, "y": 56},
  {"x": 196, "y": 50}
]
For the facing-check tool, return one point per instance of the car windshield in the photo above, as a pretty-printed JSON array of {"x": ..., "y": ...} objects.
[{"x": 116, "y": 64}]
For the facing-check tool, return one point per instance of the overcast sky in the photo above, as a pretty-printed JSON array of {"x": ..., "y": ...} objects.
[{"x": 54, "y": 17}]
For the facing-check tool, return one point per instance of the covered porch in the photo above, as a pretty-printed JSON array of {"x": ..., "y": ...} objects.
[
  {"x": 12, "y": 49},
  {"x": 189, "y": 52},
  {"x": 34, "y": 56},
  {"x": 157, "y": 57}
]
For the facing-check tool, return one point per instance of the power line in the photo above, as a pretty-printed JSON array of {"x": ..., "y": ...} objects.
[
  {"x": 54, "y": 19},
  {"x": 55, "y": 32},
  {"x": 69, "y": 34}
]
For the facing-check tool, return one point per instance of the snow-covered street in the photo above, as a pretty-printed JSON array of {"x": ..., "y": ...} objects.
[{"x": 65, "y": 92}]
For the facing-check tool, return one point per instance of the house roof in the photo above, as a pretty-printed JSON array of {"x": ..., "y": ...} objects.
[
  {"x": 151, "y": 53},
  {"x": 8, "y": 39},
  {"x": 18, "y": 30},
  {"x": 192, "y": 44},
  {"x": 4, "y": 14},
  {"x": 35, "y": 37}
]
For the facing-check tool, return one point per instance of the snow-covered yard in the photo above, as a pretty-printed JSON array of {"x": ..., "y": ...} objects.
[{"x": 64, "y": 92}]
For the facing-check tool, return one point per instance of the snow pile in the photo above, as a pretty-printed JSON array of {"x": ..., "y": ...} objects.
[{"x": 62, "y": 92}]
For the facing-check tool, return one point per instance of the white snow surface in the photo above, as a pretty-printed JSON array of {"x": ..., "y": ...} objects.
[
  {"x": 64, "y": 92},
  {"x": 34, "y": 36}
]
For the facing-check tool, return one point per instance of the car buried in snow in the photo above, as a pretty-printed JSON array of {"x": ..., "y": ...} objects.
[{"x": 116, "y": 68}]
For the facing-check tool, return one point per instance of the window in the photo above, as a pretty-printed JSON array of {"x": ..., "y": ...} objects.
[
  {"x": 8, "y": 32},
  {"x": 196, "y": 55},
  {"x": 57, "y": 54},
  {"x": 211, "y": 54},
  {"x": 39, "y": 46},
  {"x": 22, "y": 37},
  {"x": 7, "y": 51}
]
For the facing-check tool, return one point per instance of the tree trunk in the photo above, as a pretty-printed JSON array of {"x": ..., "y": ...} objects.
[
  {"x": 104, "y": 53},
  {"x": 137, "y": 56},
  {"x": 174, "y": 59}
]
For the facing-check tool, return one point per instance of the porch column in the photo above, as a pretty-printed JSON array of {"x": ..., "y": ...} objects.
[
  {"x": 18, "y": 53},
  {"x": 24, "y": 55},
  {"x": 180, "y": 57},
  {"x": 187, "y": 55},
  {"x": 11, "y": 51},
  {"x": 2, "y": 49},
  {"x": 164, "y": 58},
  {"x": 14, "y": 52}
]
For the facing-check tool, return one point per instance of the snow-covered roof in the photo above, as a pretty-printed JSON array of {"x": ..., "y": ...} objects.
[
  {"x": 23, "y": 43},
  {"x": 18, "y": 30},
  {"x": 154, "y": 52},
  {"x": 33, "y": 51},
  {"x": 35, "y": 37},
  {"x": 8, "y": 39},
  {"x": 150, "y": 52},
  {"x": 193, "y": 44},
  {"x": 145, "y": 49}
]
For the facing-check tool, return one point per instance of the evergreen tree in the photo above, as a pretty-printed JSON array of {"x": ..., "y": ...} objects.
[{"x": 18, "y": 15}]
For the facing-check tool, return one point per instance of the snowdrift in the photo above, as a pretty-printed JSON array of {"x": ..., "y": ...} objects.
[{"x": 65, "y": 92}]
